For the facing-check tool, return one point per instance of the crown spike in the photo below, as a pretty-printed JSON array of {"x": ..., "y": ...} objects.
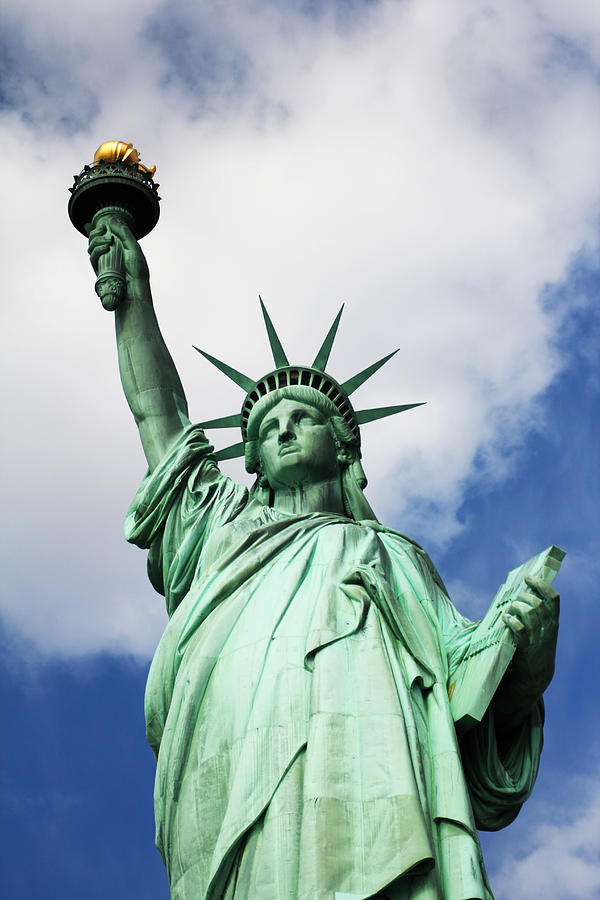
[
  {"x": 322, "y": 357},
  {"x": 276, "y": 348},
  {"x": 241, "y": 380},
  {"x": 355, "y": 382},
  {"x": 233, "y": 421},
  {"x": 371, "y": 415},
  {"x": 232, "y": 452}
]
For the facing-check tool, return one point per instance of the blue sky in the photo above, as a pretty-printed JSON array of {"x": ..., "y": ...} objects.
[{"x": 434, "y": 165}]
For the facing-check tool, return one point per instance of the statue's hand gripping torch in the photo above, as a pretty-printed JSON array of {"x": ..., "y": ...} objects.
[{"x": 115, "y": 185}]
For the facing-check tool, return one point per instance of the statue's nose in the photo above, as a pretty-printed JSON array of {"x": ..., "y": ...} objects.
[{"x": 285, "y": 435}]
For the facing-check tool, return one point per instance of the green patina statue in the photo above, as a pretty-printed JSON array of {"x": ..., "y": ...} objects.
[{"x": 325, "y": 723}]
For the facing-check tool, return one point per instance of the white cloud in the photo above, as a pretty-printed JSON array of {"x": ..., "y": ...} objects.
[
  {"x": 434, "y": 165},
  {"x": 560, "y": 859}
]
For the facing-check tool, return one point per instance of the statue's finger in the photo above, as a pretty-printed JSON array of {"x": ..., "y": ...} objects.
[
  {"x": 527, "y": 603},
  {"x": 99, "y": 246},
  {"x": 530, "y": 615},
  {"x": 523, "y": 606},
  {"x": 541, "y": 587},
  {"x": 549, "y": 599},
  {"x": 96, "y": 231},
  {"x": 97, "y": 252},
  {"x": 516, "y": 627},
  {"x": 99, "y": 241}
]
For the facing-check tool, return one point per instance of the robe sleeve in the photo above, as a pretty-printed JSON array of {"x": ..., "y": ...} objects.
[
  {"x": 500, "y": 782},
  {"x": 177, "y": 508}
]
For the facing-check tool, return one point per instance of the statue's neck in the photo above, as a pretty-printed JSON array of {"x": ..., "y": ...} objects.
[{"x": 324, "y": 496}]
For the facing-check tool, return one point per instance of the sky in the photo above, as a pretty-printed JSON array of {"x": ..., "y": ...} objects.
[{"x": 433, "y": 164}]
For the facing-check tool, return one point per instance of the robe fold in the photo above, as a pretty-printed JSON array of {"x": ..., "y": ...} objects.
[{"x": 297, "y": 704}]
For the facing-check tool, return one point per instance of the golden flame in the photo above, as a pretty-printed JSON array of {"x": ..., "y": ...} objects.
[{"x": 121, "y": 151}]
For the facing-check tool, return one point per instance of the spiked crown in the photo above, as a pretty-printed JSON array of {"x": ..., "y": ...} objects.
[{"x": 287, "y": 376}]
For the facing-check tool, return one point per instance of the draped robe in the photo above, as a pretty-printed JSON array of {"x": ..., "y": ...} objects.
[{"x": 297, "y": 704}]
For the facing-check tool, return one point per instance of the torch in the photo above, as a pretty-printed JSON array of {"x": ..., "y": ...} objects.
[{"x": 115, "y": 185}]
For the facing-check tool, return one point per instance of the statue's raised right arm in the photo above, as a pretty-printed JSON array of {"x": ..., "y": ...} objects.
[{"x": 152, "y": 386}]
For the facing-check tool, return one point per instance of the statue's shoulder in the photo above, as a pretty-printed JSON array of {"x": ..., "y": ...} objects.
[
  {"x": 400, "y": 538},
  {"x": 416, "y": 552}
]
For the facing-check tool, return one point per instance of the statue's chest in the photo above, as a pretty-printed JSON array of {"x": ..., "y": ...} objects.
[{"x": 338, "y": 540}]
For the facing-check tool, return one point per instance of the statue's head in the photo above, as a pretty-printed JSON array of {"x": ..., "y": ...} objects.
[
  {"x": 295, "y": 436},
  {"x": 298, "y": 424},
  {"x": 305, "y": 386}
]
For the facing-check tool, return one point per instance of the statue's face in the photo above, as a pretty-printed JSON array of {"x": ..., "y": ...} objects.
[{"x": 296, "y": 445}]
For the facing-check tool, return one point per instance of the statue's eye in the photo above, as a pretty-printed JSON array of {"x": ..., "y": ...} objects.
[
  {"x": 305, "y": 417},
  {"x": 267, "y": 429}
]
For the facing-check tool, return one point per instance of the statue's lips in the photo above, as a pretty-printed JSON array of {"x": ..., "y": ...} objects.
[{"x": 289, "y": 448}]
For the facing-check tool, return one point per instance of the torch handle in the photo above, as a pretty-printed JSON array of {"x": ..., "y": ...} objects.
[{"x": 111, "y": 283}]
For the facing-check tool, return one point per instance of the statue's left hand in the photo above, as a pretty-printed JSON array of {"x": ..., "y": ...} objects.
[{"x": 532, "y": 618}]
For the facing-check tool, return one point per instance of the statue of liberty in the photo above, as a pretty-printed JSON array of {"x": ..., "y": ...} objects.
[{"x": 300, "y": 702}]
